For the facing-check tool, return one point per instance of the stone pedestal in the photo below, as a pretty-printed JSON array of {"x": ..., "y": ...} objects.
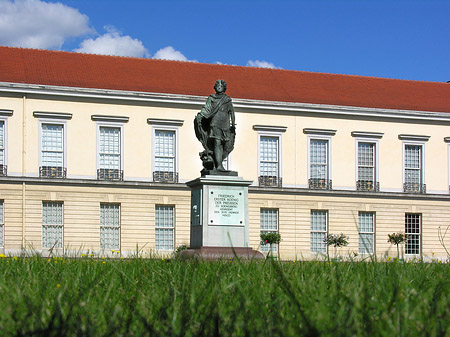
[{"x": 219, "y": 218}]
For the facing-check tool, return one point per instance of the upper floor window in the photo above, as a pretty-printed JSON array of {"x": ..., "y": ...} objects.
[
  {"x": 4, "y": 114},
  {"x": 52, "y": 224},
  {"x": 165, "y": 156},
  {"x": 319, "y": 158},
  {"x": 109, "y": 146},
  {"x": 367, "y": 160},
  {"x": 413, "y": 163}
]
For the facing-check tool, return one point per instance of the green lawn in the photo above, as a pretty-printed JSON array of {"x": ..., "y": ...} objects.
[{"x": 94, "y": 297}]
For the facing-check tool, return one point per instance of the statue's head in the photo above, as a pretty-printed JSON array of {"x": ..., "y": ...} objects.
[{"x": 220, "y": 86}]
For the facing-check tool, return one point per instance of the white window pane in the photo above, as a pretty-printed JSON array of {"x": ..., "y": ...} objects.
[
  {"x": 318, "y": 159},
  {"x": 268, "y": 224},
  {"x": 110, "y": 161},
  {"x": 412, "y": 229},
  {"x": 318, "y": 231},
  {"x": 365, "y": 243},
  {"x": 110, "y": 140},
  {"x": 110, "y": 226},
  {"x": 165, "y": 150},
  {"x": 269, "y": 156},
  {"x": 317, "y": 242},
  {"x": 2, "y": 134},
  {"x": 2, "y": 225},
  {"x": 319, "y": 221},
  {"x": 52, "y": 224},
  {"x": 52, "y": 145},
  {"x": 164, "y": 227}
]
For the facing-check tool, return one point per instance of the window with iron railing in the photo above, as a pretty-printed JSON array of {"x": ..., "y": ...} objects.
[
  {"x": 319, "y": 164},
  {"x": 109, "y": 154},
  {"x": 367, "y": 167},
  {"x": 413, "y": 175},
  {"x": 269, "y": 161},
  {"x": 52, "y": 151},
  {"x": 165, "y": 157},
  {"x": 3, "y": 168}
]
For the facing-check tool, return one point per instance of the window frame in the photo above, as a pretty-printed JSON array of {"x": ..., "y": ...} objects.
[
  {"x": 4, "y": 119},
  {"x": 51, "y": 121},
  {"x": 362, "y": 248},
  {"x": 376, "y": 153},
  {"x": 172, "y": 228},
  {"x": 116, "y": 125},
  {"x": 155, "y": 128},
  {"x": 274, "y": 247},
  {"x": 406, "y": 143},
  {"x": 271, "y": 134},
  {"x": 415, "y": 234},
  {"x": 315, "y": 231},
  {"x": 62, "y": 224},
  {"x": 120, "y": 226},
  {"x": 2, "y": 223},
  {"x": 328, "y": 156}
]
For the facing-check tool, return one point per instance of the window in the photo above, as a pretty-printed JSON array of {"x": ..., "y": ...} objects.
[
  {"x": 165, "y": 156},
  {"x": 319, "y": 164},
  {"x": 52, "y": 151},
  {"x": 367, "y": 170},
  {"x": 2, "y": 149},
  {"x": 164, "y": 227},
  {"x": 269, "y": 223},
  {"x": 413, "y": 162},
  {"x": 2, "y": 224},
  {"x": 110, "y": 226},
  {"x": 319, "y": 221},
  {"x": 110, "y": 161},
  {"x": 412, "y": 230},
  {"x": 366, "y": 228},
  {"x": 52, "y": 224},
  {"x": 269, "y": 161}
]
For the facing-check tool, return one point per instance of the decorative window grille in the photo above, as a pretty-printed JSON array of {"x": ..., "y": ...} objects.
[
  {"x": 366, "y": 167},
  {"x": 366, "y": 229},
  {"x": 269, "y": 223},
  {"x": 109, "y": 154},
  {"x": 413, "y": 231},
  {"x": 165, "y": 156},
  {"x": 413, "y": 169},
  {"x": 319, "y": 221},
  {"x": 110, "y": 226},
  {"x": 2, "y": 224},
  {"x": 52, "y": 155},
  {"x": 164, "y": 227},
  {"x": 2, "y": 149},
  {"x": 52, "y": 224},
  {"x": 269, "y": 166},
  {"x": 318, "y": 160}
]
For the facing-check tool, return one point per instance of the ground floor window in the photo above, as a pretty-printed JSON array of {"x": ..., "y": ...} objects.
[
  {"x": 319, "y": 222},
  {"x": 366, "y": 229},
  {"x": 2, "y": 224},
  {"x": 413, "y": 231},
  {"x": 268, "y": 223},
  {"x": 52, "y": 224},
  {"x": 110, "y": 226},
  {"x": 164, "y": 227}
]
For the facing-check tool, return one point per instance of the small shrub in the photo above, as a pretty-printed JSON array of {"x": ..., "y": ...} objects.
[
  {"x": 270, "y": 238},
  {"x": 335, "y": 240},
  {"x": 397, "y": 239}
]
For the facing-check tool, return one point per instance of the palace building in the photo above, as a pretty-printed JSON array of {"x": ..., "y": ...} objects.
[{"x": 95, "y": 153}]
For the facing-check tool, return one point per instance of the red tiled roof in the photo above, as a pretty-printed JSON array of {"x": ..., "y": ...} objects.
[{"x": 58, "y": 68}]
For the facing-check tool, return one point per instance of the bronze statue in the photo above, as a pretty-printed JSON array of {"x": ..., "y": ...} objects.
[{"x": 215, "y": 129}]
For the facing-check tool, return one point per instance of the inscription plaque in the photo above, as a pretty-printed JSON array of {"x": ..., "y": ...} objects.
[{"x": 226, "y": 207}]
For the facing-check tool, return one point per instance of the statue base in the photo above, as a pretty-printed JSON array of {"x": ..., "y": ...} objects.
[
  {"x": 218, "y": 253},
  {"x": 215, "y": 172}
]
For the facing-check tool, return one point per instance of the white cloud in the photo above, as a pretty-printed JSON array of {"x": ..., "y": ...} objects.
[
  {"x": 169, "y": 53},
  {"x": 113, "y": 43},
  {"x": 38, "y": 24},
  {"x": 261, "y": 64}
]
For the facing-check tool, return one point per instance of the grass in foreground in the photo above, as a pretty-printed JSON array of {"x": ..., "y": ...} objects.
[{"x": 87, "y": 297}]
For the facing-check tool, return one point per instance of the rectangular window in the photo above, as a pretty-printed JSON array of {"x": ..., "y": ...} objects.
[
  {"x": 52, "y": 224},
  {"x": 366, "y": 229},
  {"x": 2, "y": 149},
  {"x": 413, "y": 162},
  {"x": 164, "y": 227},
  {"x": 269, "y": 161},
  {"x": 413, "y": 232},
  {"x": 319, "y": 221},
  {"x": 367, "y": 180},
  {"x": 2, "y": 224},
  {"x": 110, "y": 226},
  {"x": 165, "y": 156},
  {"x": 109, "y": 154},
  {"x": 318, "y": 164},
  {"x": 269, "y": 223},
  {"x": 52, "y": 151}
]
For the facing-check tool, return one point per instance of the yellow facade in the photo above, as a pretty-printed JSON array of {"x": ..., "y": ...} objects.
[{"x": 23, "y": 191}]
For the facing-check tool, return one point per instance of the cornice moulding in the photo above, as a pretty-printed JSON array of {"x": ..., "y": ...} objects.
[
  {"x": 364, "y": 134},
  {"x": 165, "y": 122},
  {"x": 293, "y": 107},
  {"x": 116, "y": 119},
  {"x": 322, "y": 132},
  {"x": 419, "y": 138},
  {"x": 52, "y": 115},
  {"x": 270, "y": 128},
  {"x": 447, "y": 139},
  {"x": 6, "y": 112}
]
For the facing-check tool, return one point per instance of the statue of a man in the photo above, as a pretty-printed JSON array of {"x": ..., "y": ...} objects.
[{"x": 215, "y": 128}]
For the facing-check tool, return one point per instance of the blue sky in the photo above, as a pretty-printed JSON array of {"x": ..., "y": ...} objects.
[{"x": 406, "y": 39}]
